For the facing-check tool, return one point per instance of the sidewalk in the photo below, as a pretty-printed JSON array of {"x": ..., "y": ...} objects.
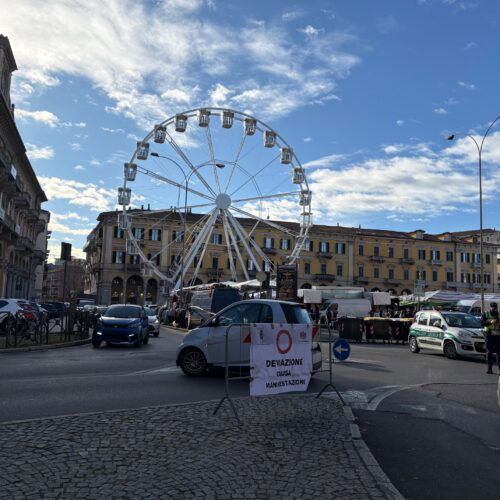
[{"x": 288, "y": 447}]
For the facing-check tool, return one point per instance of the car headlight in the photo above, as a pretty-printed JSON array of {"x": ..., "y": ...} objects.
[{"x": 464, "y": 336}]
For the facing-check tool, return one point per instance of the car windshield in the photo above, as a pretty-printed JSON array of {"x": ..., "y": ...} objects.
[
  {"x": 123, "y": 312},
  {"x": 463, "y": 320},
  {"x": 149, "y": 311},
  {"x": 296, "y": 314}
]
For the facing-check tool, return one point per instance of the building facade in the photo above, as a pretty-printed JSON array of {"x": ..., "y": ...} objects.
[
  {"x": 53, "y": 283},
  {"x": 23, "y": 224},
  {"x": 334, "y": 255}
]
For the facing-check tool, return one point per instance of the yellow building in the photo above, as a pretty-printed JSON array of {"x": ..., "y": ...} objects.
[
  {"x": 23, "y": 224},
  {"x": 333, "y": 255}
]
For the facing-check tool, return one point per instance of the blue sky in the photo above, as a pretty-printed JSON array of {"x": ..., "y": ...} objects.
[{"x": 365, "y": 92}]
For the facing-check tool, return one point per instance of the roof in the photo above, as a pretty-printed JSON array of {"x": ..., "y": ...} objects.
[{"x": 473, "y": 232}]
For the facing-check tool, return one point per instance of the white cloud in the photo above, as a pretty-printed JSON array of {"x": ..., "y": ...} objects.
[
  {"x": 79, "y": 167},
  {"x": 39, "y": 153},
  {"x": 75, "y": 146},
  {"x": 467, "y": 86},
  {"x": 400, "y": 123},
  {"x": 292, "y": 15},
  {"x": 470, "y": 45},
  {"x": 307, "y": 139},
  {"x": 325, "y": 161},
  {"x": 113, "y": 130},
  {"x": 150, "y": 58},
  {"x": 311, "y": 31},
  {"x": 45, "y": 117},
  {"x": 97, "y": 199},
  {"x": 219, "y": 95},
  {"x": 440, "y": 111},
  {"x": 94, "y": 162}
]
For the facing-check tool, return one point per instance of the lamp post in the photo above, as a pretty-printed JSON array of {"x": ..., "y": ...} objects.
[
  {"x": 187, "y": 178},
  {"x": 479, "y": 151}
]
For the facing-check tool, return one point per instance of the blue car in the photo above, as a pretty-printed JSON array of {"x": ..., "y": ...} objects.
[{"x": 122, "y": 324}]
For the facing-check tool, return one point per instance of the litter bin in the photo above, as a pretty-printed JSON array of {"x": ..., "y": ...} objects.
[
  {"x": 351, "y": 329},
  {"x": 378, "y": 329}
]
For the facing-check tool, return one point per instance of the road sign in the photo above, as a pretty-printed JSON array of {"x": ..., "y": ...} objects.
[{"x": 341, "y": 349}]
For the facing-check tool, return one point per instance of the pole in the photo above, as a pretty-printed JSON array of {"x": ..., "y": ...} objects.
[
  {"x": 64, "y": 281},
  {"x": 481, "y": 231}
]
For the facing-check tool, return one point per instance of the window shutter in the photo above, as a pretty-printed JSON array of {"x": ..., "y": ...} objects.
[
  {"x": 327, "y": 246},
  {"x": 272, "y": 242}
]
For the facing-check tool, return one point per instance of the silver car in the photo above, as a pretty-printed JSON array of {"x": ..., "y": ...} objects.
[
  {"x": 204, "y": 347},
  {"x": 153, "y": 322}
]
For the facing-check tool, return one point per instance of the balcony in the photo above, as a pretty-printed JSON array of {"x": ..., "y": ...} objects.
[
  {"x": 32, "y": 214},
  {"x": 324, "y": 255},
  {"x": 407, "y": 260},
  {"x": 269, "y": 251},
  {"x": 476, "y": 285},
  {"x": 39, "y": 255},
  {"x": 7, "y": 221},
  {"x": 451, "y": 284},
  {"x": 324, "y": 277},
  {"x": 132, "y": 267},
  {"x": 476, "y": 265},
  {"x": 23, "y": 244},
  {"x": 435, "y": 262},
  {"x": 213, "y": 272},
  {"x": 22, "y": 200},
  {"x": 40, "y": 225},
  {"x": 361, "y": 281},
  {"x": 392, "y": 281},
  {"x": 377, "y": 258}
]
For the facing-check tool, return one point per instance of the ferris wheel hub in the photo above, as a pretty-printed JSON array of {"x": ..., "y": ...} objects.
[{"x": 223, "y": 201}]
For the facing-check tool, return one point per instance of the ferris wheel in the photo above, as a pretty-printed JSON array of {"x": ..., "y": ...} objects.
[{"x": 229, "y": 178}]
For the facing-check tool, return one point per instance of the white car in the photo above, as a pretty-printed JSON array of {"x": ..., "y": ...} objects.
[
  {"x": 452, "y": 333},
  {"x": 153, "y": 322},
  {"x": 204, "y": 347}
]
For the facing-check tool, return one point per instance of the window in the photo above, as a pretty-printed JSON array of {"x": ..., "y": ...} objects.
[
  {"x": 406, "y": 253},
  {"x": 487, "y": 279},
  {"x": 464, "y": 257},
  {"x": 266, "y": 314},
  {"x": 376, "y": 251},
  {"x": 391, "y": 274},
  {"x": 323, "y": 268},
  {"x": 250, "y": 265},
  {"x": 435, "y": 321},
  {"x": 177, "y": 235},
  {"x": 406, "y": 274},
  {"x": 232, "y": 315},
  {"x": 449, "y": 276},
  {"x": 217, "y": 239},
  {"x": 476, "y": 257},
  {"x": 175, "y": 259},
  {"x": 434, "y": 275},
  {"x": 156, "y": 259},
  {"x": 390, "y": 251},
  {"x": 376, "y": 272},
  {"x": 361, "y": 250},
  {"x": 134, "y": 259},
  {"x": 422, "y": 319},
  {"x": 215, "y": 262},
  {"x": 421, "y": 254},
  {"x": 196, "y": 259},
  {"x": 339, "y": 269},
  {"x": 228, "y": 264},
  {"x": 361, "y": 271},
  {"x": 435, "y": 255},
  {"x": 449, "y": 256},
  {"x": 266, "y": 265},
  {"x": 285, "y": 244},
  {"x": 309, "y": 246},
  {"x": 487, "y": 258},
  {"x": 307, "y": 268},
  {"x": 324, "y": 246},
  {"x": 118, "y": 233},
  {"x": 118, "y": 257},
  {"x": 138, "y": 233},
  {"x": 340, "y": 248},
  {"x": 268, "y": 242},
  {"x": 295, "y": 314},
  {"x": 155, "y": 234}
]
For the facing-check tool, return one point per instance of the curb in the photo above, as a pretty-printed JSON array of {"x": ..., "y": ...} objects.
[
  {"x": 369, "y": 460},
  {"x": 45, "y": 347},
  {"x": 184, "y": 331}
]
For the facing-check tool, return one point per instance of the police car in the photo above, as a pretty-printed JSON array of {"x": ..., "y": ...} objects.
[{"x": 452, "y": 333}]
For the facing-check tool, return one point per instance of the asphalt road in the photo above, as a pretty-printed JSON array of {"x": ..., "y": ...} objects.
[{"x": 433, "y": 424}]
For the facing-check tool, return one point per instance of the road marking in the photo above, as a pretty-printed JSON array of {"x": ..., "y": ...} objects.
[{"x": 165, "y": 369}]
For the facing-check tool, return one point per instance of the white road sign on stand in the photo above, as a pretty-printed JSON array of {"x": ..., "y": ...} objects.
[{"x": 280, "y": 358}]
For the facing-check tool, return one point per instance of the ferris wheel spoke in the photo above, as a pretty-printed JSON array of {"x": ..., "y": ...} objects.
[
  {"x": 202, "y": 256},
  {"x": 251, "y": 240},
  {"x": 243, "y": 241},
  {"x": 264, "y": 221},
  {"x": 159, "y": 177},
  {"x": 228, "y": 243},
  {"x": 235, "y": 162},
  {"x": 267, "y": 196},
  {"x": 255, "y": 175},
  {"x": 181, "y": 153},
  {"x": 237, "y": 250},
  {"x": 212, "y": 155}
]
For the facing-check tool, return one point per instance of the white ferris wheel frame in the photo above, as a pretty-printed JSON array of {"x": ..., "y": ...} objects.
[{"x": 233, "y": 230}]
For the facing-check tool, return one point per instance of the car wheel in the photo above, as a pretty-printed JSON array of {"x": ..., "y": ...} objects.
[
  {"x": 450, "y": 350},
  {"x": 138, "y": 342},
  {"x": 193, "y": 362},
  {"x": 155, "y": 334},
  {"x": 413, "y": 345},
  {"x": 145, "y": 340},
  {"x": 96, "y": 343}
]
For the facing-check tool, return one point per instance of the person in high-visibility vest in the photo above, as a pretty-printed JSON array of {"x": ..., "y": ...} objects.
[
  {"x": 490, "y": 315},
  {"x": 492, "y": 335}
]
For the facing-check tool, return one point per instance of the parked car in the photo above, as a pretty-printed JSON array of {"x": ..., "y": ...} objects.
[
  {"x": 51, "y": 311},
  {"x": 452, "y": 333},
  {"x": 122, "y": 324},
  {"x": 211, "y": 301},
  {"x": 60, "y": 307},
  {"x": 15, "y": 306},
  {"x": 153, "y": 322},
  {"x": 10, "y": 306},
  {"x": 204, "y": 347}
]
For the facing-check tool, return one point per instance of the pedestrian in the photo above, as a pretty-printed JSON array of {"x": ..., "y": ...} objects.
[
  {"x": 329, "y": 316},
  {"x": 492, "y": 334},
  {"x": 491, "y": 314}
]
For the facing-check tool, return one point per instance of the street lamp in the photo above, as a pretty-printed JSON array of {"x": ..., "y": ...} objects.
[
  {"x": 187, "y": 178},
  {"x": 480, "y": 151}
]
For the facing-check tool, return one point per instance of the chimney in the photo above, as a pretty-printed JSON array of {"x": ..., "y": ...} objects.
[
  {"x": 142, "y": 207},
  {"x": 359, "y": 226},
  {"x": 149, "y": 206}
]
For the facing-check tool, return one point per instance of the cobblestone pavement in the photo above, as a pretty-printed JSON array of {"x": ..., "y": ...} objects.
[{"x": 287, "y": 447}]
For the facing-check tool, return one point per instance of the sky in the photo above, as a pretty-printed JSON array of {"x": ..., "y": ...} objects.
[{"x": 364, "y": 92}]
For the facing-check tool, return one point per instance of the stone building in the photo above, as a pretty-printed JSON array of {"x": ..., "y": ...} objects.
[
  {"x": 334, "y": 255},
  {"x": 53, "y": 284},
  {"x": 23, "y": 224}
]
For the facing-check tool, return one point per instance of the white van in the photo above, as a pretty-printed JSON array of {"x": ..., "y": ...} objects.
[
  {"x": 452, "y": 333},
  {"x": 473, "y": 306},
  {"x": 352, "y": 308}
]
